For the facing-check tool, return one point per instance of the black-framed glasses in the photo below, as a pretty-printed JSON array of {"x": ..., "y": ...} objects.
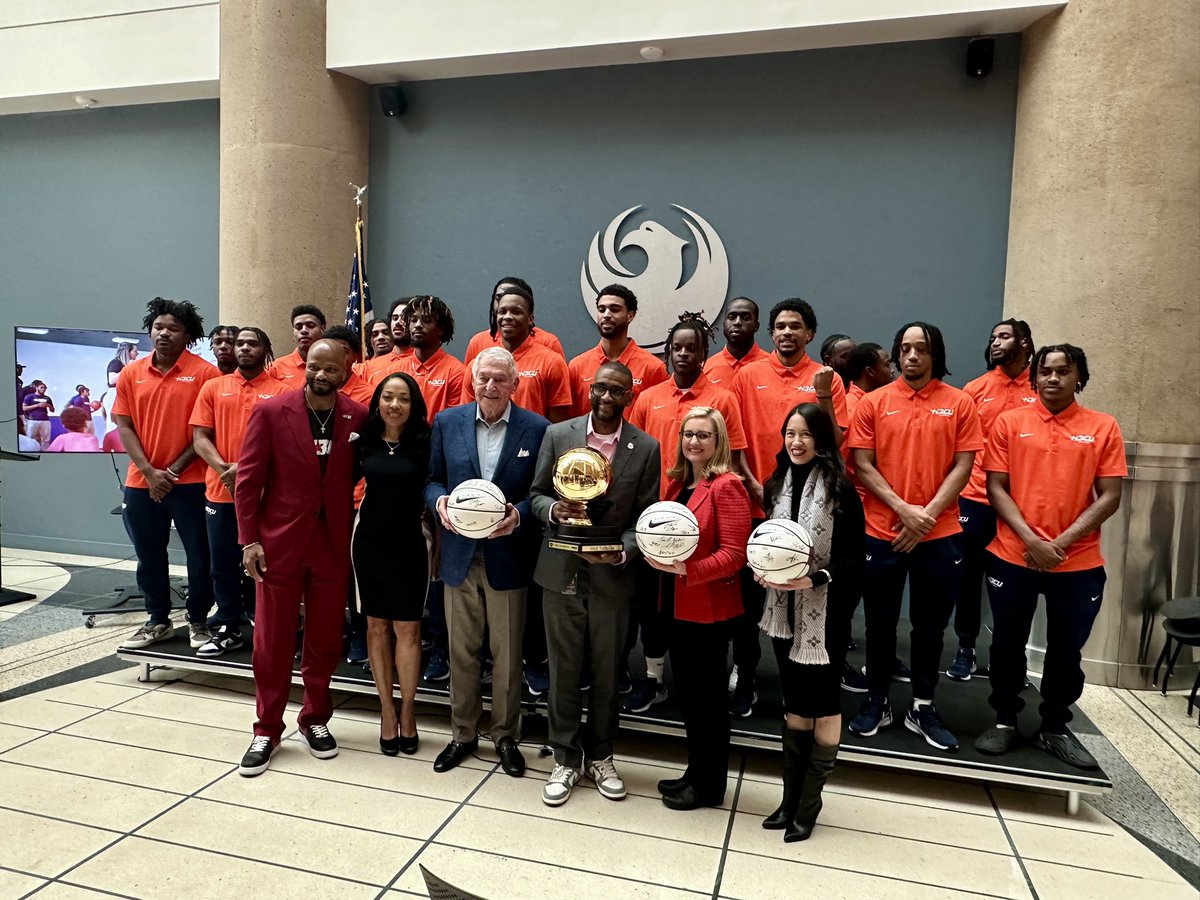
[
  {"x": 613, "y": 390},
  {"x": 702, "y": 436}
]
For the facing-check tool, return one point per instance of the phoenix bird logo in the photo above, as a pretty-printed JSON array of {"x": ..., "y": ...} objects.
[{"x": 660, "y": 287}]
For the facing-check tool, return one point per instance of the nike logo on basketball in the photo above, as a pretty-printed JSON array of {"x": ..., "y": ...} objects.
[{"x": 655, "y": 524}]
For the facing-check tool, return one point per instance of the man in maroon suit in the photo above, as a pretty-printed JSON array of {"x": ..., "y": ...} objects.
[{"x": 295, "y": 509}]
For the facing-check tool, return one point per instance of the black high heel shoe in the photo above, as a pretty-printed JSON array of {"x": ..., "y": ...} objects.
[
  {"x": 408, "y": 745},
  {"x": 390, "y": 746}
]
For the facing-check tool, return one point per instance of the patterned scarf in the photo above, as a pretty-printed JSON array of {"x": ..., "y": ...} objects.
[{"x": 808, "y": 644}]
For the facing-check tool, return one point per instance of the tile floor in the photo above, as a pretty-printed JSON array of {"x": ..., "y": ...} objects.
[{"x": 116, "y": 787}]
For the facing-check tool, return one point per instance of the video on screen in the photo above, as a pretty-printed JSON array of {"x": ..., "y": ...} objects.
[{"x": 66, "y": 386}]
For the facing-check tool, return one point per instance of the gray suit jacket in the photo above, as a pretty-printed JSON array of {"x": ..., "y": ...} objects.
[{"x": 635, "y": 468}]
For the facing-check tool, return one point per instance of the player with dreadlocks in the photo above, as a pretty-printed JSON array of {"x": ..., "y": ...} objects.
[
  {"x": 165, "y": 483},
  {"x": 218, "y": 423},
  {"x": 660, "y": 411},
  {"x": 1003, "y": 387}
]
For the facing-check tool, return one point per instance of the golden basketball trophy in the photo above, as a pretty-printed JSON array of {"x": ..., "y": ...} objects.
[{"x": 582, "y": 475}]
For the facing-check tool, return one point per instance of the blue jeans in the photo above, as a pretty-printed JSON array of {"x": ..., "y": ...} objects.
[
  {"x": 148, "y": 525},
  {"x": 1072, "y": 603},
  {"x": 933, "y": 574}
]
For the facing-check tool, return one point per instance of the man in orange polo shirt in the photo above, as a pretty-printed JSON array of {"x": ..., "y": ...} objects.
[
  {"x": 1006, "y": 385},
  {"x": 491, "y": 337},
  {"x": 218, "y": 424},
  {"x": 165, "y": 482},
  {"x": 308, "y": 326},
  {"x": 440, "y": 377},
  {"x": 1054, "y": 472},
  {"x": 616, "y": 308},
  {"x": 660, "y": 413},
  {"x": 741, "y": 349},
  {"x": 913, "y": 442},
  {"x": 543, "y": 380},
  {"x": 356, "y": 387},
  {"x": 766, "y": 391},
  {"x": 380, "y": 367}
]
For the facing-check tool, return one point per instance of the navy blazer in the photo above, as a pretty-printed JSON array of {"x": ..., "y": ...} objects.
[{"x": 454, "y": 458}]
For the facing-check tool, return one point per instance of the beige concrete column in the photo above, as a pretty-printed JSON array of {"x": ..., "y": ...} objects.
[
  {"x": 293, "y": 136},
  {"x": 1104, "y": 252}
]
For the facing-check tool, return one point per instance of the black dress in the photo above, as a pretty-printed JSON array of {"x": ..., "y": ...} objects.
[
  {"x": 814, "y": 691},
  {"x": 391, "y": 566}
]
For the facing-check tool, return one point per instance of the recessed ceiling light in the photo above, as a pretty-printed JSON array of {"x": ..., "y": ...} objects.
[{"x": 651, "y": 53}]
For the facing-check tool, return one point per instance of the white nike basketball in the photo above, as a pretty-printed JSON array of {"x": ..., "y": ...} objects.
[
  {"x": 667, "y": 532},
  {"x": 779, "y": 551},
  {"x": 475, "y": 508}
]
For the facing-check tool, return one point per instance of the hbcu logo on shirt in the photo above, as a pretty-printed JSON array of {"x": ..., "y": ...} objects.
[
  {"x": 185, "y": 378},
  {"x": 531, "y": 373},
  {"x": 806, "y": 388},
  {"x": 1029, "y": 399},
  {"x": 942, "y": 411},
  {"x": 1084, "y": 438},
  {"x": 436, "y": 382}
]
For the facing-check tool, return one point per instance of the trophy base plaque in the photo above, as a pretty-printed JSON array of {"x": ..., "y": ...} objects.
[{"x": 587, "y": 538}]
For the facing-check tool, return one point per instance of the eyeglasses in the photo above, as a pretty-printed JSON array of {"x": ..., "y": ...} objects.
[
  {"x": 614, "y": 391},
  {"x": 701, "y": 436}
]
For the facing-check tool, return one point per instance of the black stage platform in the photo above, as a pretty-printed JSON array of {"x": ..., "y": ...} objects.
[{"x": 963, "y": 706}]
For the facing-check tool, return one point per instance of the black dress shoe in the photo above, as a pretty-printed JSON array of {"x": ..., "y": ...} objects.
[
  {"x": 671, "y": 785},
  {"x": 511, "y": 760},
  {"x": 408, "y": 745},
  {"x": 389, "y": 746},
  {"x": 686, "y": 798},
  {"x": 455, "y": 752}
]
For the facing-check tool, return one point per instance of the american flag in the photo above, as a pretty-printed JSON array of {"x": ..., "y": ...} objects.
[{"x": 359, "y": 312}]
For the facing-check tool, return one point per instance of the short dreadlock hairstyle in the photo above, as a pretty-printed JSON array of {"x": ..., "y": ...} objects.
[
  {"x": 1077, "y": 357},
  {"x": 183, "y": 310}
]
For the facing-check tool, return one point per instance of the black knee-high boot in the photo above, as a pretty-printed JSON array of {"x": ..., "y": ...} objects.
[
  {"x": 797, "y": 745},
  {"x": 820, "y": 766}
]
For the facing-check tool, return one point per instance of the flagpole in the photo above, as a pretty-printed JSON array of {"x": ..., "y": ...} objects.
[{"x": 362, "y": 265}]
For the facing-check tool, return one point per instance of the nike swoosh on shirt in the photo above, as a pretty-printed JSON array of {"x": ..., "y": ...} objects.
[
  {"x": 140, "y": 380},
  {"x": 1025, "y": 434},
  {"x": 660, "y": 406},
  {"x": 761, "y": 387},
  {"x": 891, "y": 412},
  {"x": 987, "y": 399},
  {"x": 227, "y": 395}
]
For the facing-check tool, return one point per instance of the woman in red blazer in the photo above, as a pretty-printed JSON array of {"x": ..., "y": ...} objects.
[{"x": 701, "y": 601}]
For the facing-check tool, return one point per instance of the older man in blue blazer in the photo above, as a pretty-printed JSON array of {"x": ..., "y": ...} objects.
[{"x": 485, "y": 580}]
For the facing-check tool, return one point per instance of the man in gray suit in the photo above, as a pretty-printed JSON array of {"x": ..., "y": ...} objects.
[{"x": 588, "y": 595}]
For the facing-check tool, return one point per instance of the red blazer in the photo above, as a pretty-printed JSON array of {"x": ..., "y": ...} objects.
[
  {"x": 280, "y": 490},
  {"x": 711, "y": 591}
]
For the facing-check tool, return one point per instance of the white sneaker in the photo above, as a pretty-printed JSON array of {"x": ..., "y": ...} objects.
[
  {"x": 733, "y": 680},
  {"x": 608, "y": 782},
  {"x": 558, "y": 788},
  {"x": 148, "y": 634}
]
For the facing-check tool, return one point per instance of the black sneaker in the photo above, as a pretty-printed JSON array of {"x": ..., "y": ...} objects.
[
  {"x": 647, "y": 693},
  {"x": 875, "y": 713},
  {"x": 963, "y": 666},
  {"x": 258, "y": 757},
  {"x": 900, "y": 672},
  {"x": 925, "y": 721},
  {"x": 624, "y": 683},
  {"x": 438, "y": 669},
  {"x": 1067, "y": 748},
  {"x": 853, "y": 680},
  {"x": 741, "y": 704},
  {"x": 537, "y": 678},
  {"x": 356, "y": 652},
  {"x": 320, "y": 742},
  {"x": 997, "y": 741},
  {"x": 223, "y": 640}
]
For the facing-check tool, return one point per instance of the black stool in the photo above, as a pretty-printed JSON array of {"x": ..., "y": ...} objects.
[{"x": 1181, "y": 622}]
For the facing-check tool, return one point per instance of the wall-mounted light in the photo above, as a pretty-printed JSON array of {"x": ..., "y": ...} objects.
[
  {"x": 651, "y": 53},
  {"x": 85, "y": 102}
]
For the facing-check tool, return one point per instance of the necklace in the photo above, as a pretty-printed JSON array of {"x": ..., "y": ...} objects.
[
  {"x": 322, "y": 423},
  {"x": 391, "y": 447}
]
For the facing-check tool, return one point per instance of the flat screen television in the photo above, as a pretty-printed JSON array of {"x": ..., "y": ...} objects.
[{"x": 73, "y": 371}]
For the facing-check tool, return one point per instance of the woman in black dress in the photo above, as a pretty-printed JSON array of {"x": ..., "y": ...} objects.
[
  {"x": 390, "y": 566},
  {"x": 808, "y": 619}
]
